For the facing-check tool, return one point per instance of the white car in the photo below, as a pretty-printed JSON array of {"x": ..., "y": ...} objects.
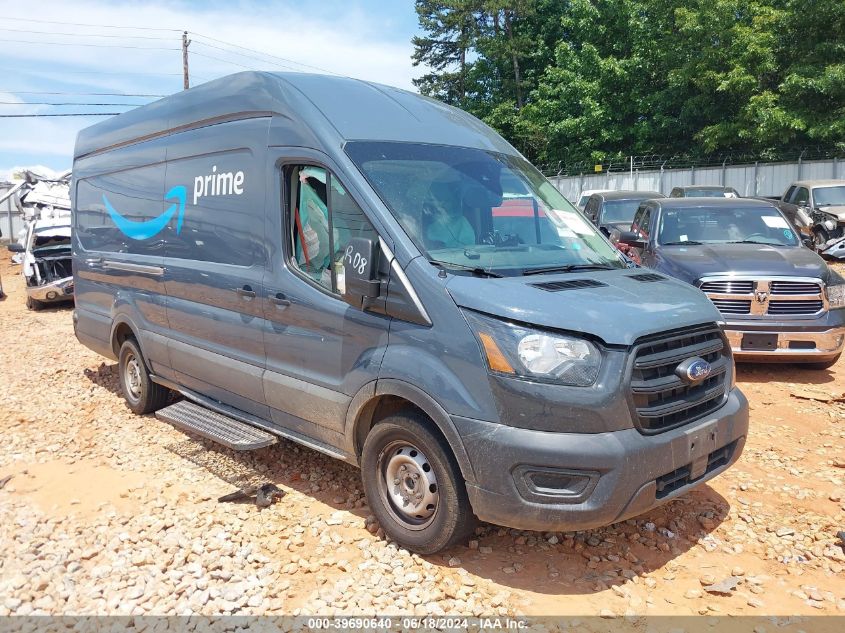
[
  {"x": 46, "y": 261},
  {"x": 585, "y": 196}
]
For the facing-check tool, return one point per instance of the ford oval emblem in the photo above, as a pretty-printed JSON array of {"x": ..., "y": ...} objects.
[{"x": 693, "y": 370}]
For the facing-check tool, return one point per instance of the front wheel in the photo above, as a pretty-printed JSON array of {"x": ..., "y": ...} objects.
[
  {"x": 34, "y": 304},
  {"x": 141, "y": 393},
  {"x": 413, "y": 485},
  {"x": 820, "y": 238}
]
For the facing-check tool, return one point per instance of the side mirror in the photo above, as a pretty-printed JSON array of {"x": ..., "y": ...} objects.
[
  {"x": 632, "y": 238},
  {"x": 360, "y": 285},
  {"x": 14, "y": 247},
  {"x": 809, "y": 242},
  {"x": 804, "y": 204}
]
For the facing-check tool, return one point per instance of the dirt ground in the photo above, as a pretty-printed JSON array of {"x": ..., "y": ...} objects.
[{"x": 107, "y": 512}]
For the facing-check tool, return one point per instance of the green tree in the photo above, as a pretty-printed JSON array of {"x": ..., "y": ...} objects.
[
  {"x": 451, "y": 28},
  {"x": 592, "y": 80}
]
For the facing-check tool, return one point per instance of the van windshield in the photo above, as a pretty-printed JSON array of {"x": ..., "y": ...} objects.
[{"x": 468, "y": 209}]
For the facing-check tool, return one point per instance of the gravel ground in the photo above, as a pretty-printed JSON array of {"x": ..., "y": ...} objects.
[{"x": 111, "y": 513}]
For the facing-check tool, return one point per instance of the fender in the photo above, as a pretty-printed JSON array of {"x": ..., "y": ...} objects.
[
  {"x": 153, "y": 346},
  {"x": 368, "y": 395}
]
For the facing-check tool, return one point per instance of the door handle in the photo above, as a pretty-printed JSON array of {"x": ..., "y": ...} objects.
[
  {"x": 246, "y": 292},
  {"x": 279, "y": 299}
]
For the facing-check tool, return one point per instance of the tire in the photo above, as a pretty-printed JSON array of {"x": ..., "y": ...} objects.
[
  {"x": 406, "y": 440},
  {"x": 825, "y": 364},
  {"x": 820, "y": 238},
  {"x": 141, "y": 393},
  {"x": 34, "y": 304}
]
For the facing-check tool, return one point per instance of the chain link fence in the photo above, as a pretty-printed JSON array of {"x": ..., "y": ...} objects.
[{"x": 751, "y": 175}]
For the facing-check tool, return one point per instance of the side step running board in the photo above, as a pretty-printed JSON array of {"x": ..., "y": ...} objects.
[{"x": 215, "y": 426}]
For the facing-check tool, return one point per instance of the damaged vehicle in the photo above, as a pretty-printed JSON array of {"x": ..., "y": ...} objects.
[
  {"x": 818, "y": 205},
  {"x": 46, "y": 262}
]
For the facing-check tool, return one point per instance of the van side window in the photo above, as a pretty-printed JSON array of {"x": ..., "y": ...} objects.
[{"x": 323, "y": 218}]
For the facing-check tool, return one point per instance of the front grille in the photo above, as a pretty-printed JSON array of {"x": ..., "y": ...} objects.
[
  {"x": 766, "y": 298},
  {"x": 795, "y": 288},
  {"x": 802, "y": 306},
  {"x": 662, "y": 401},
  {"x": 680, "y": 477},
  {"x": 732, "y": 306},
  {"x": 732, "y": 287}
]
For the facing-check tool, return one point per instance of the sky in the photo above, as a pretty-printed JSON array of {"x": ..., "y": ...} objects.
[{"x": 52, "y": 49}]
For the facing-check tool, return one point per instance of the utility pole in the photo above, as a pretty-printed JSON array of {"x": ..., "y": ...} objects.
[{"x": 185, "y": 42}]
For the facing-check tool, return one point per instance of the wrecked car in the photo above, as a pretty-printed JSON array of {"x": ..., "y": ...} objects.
[
  {"x": 46, "y": 262},
  {"x": 819, "y": 205}
]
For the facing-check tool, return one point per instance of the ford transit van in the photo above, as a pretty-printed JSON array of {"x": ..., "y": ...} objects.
[{"x": 384, "y": 279}]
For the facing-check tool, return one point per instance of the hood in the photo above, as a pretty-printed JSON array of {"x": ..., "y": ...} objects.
[
  {"x": 834, "y": 209},
  {"x": 692, "y": 262},
  {"x": 618, "y": 313}
]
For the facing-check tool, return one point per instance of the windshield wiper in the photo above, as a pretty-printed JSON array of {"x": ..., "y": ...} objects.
[
  {"x": 475, "y": 270},
  {"x": 688, "y": 242},
  {"x": 566, "y": 269},
  {"x": 756, "y": 242}
]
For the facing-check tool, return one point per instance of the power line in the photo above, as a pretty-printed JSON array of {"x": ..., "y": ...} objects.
[
  {"x": 145, "y": 48},
  {"x": 252, "y": 50},
  {"x": 131, "y": 37},
  {"x": 218, "y": 59},
  {"x": 67, "y": 103},
  {"x": 266, "y": 61},
  {"x": 34, "y": 116},
  {"x": 90, "y": 72},
  {"x": 102, "y": 26},
  {"x": 86, "y": 94}
]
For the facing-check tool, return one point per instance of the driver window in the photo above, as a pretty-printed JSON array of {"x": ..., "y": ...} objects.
[
  {"x": 641, "y": 220},
  {"x": 802, "y": 195},
  {"x": 323, "y": 218}
]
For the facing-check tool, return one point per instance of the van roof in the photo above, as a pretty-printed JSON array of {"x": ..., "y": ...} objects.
[{"x": 333, "y": 109}]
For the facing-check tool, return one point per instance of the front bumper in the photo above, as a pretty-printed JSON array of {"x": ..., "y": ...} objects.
[
  {"x": 794, "y": 344},
  {"x": 59, "y": 290},
  {"x": 539, "y": 480}
]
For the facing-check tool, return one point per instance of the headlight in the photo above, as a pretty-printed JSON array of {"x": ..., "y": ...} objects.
[
  {"x": 536, "y": 354},
  {"x": 836, "y": 296}
]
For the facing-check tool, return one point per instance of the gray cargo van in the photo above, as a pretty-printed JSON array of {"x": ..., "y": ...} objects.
[{"x": 384, "y": 279}]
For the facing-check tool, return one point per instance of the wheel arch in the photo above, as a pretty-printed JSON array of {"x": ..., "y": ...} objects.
[{"x": 380, "y": 399}]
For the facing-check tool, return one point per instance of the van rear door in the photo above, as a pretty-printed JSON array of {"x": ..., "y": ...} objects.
[{"x": 118, "y": 247}]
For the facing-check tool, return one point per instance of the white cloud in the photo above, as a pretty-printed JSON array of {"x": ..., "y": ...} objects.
[{"x": 327, "y": 35}]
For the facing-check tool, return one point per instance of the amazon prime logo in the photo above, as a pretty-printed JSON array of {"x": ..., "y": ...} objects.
[
  {"x": 693, "y": 370},
  {"x": 213, "y": 184}
]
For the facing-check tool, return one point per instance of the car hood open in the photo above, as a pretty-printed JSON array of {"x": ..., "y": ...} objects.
[{"x": 619, "y": 310}]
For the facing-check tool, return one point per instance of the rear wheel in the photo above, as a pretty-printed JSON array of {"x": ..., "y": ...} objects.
[
  {"x": 413, "y": 485},
  {"x": 141, "y": 393}
]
